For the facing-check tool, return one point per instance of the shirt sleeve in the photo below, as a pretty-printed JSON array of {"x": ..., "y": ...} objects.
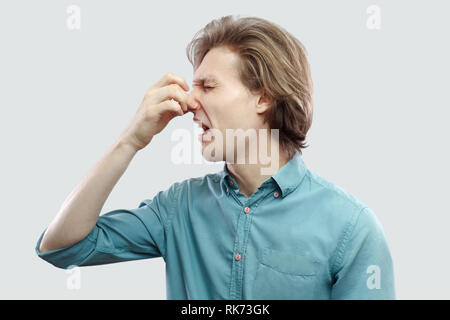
[
  {"x": 364, "y": 267},
  {"x": 120, "y": 235}
]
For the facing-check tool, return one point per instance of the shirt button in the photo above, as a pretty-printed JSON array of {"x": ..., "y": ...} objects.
[
  {"x": 230, "y": 182},
  {"x": 275, "y": 194},
  {"x": 237, "y": 256},
  {"x": 246, "y": 209}
]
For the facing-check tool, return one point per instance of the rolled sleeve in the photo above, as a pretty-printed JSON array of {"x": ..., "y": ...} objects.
[
  {"x": 364, "y": 267},
  {"x": 119, "y": 235}
]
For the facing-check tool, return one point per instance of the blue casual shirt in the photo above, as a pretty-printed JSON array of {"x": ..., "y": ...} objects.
[{"x": 298, "y": 236}]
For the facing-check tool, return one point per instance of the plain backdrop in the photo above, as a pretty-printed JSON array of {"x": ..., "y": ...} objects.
[{"x": 379, "y": 131}]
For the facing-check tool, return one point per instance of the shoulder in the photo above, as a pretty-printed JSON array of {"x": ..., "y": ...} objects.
[
  {"x": 332, "y": 193},
  {"x": 191, "y": 187},
  {"x": 334, "y": 203},
  {"x": 198, "y": 184},
  {"x": 342, "y": 207}
]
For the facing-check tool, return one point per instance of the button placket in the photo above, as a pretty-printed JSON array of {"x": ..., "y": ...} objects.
[{"x": 243, "y": 228}]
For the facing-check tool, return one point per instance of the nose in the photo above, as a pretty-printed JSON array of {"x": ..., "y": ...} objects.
[{"x": 192, "y": 102}]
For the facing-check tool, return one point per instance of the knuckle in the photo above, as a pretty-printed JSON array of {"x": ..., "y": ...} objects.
[
  {"x": 174, "y": 89},
  {"x": 170, "y": 75}
]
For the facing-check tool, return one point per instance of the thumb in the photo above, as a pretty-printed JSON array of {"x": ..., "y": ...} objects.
[{"x": 176, "y": 108}]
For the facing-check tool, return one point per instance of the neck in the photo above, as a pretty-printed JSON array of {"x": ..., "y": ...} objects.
[{"x": 250, "y": 176}]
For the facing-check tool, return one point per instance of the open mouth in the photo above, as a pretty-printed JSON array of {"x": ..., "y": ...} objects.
[
  {"x": 205, "y": 128},
  {"x": 206, "y": 135},
  {"x": 202, "y": 125}
]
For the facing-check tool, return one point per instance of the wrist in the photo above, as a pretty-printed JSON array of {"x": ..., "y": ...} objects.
[{"x": 124, "y": 146}]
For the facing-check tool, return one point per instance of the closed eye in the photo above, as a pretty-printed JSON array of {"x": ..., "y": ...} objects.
[{"x": 206, "y": 88}]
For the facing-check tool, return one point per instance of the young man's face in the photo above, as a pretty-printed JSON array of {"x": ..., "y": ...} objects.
[{"x": 224, "y": 102}]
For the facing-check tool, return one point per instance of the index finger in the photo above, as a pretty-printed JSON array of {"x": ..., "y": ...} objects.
[{"x": 171, "y": 78}]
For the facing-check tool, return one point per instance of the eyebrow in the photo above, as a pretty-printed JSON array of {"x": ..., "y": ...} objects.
[{"x": 205, "y": 79}]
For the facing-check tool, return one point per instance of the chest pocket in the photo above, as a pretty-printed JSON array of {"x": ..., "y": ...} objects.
[{"x": 283, "y": 275}]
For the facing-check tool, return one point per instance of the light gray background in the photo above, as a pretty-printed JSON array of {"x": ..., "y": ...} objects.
[{"x": 379, "y": 129}]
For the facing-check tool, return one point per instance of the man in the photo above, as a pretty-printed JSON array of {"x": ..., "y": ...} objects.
[{"x": 252, "y": 230}]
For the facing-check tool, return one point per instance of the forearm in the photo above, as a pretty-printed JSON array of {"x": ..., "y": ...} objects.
[{"x": 79, "y": 212}]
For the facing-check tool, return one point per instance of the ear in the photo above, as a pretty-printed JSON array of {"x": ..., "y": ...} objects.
[{"x": 264, "y": 103}]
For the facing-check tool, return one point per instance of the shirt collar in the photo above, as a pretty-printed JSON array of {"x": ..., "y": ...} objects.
[{"x": 288, "y": 177}]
